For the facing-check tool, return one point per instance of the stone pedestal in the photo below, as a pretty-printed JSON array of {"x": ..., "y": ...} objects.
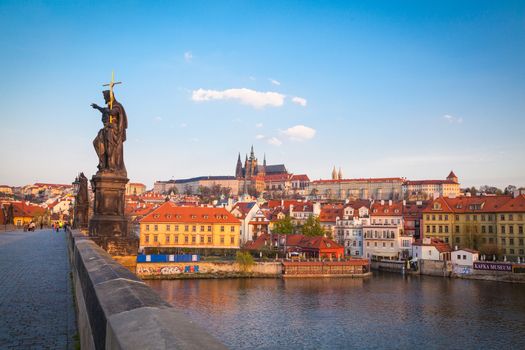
[{"x": 108, "y": 218}]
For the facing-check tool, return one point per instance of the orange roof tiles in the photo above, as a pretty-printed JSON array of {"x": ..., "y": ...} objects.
[
  {"x": 169, "y": 212},
  {"x": 481, "y": 204}
]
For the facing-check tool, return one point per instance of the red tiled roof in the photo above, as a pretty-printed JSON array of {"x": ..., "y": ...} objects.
[
  {"x": 478, "y": 204},
  {"x": 169, "y": 212},
  {"x": 430, "y": 182},
  {"x": 302, "y": 177},
  {"x": 386, "y": 209},
  {"x": 330, "y": 212},
  {"x": 377, "y": 179},
  {"x": 441, "y": 246}
]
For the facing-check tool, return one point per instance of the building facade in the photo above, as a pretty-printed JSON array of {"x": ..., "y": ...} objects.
[
  {"x": 341, "y": 189},
  {"x": 491, "y": 224},
  {"x": 430, "y": 189},
  {"x": 170, "y": 227}
]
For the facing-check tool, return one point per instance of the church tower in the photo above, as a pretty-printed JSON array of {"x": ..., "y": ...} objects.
[
  {"x": 452, "y": 177},
  {"x": 340, "y": 174},
  {"x": 334, "y": 174},
  {"x": 238, "y": 168}
]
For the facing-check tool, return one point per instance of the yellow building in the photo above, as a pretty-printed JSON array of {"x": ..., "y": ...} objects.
[
  {"x": 170, "y": 226},
  {"x": 492, "y": 224},
  {"x": 135, "y": 188}
]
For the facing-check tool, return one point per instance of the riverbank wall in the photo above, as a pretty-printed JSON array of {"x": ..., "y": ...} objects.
[
  {"x": 117, "y": 310},
  {"x": 202, "y": 269}
]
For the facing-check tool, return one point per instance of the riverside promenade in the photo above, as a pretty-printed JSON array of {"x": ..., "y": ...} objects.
[{"x": 36, "y": 297}]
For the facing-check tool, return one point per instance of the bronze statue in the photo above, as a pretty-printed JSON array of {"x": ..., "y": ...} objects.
[
  {"x": 109, "y": 141},
  {"x": 10, "y": 216}
]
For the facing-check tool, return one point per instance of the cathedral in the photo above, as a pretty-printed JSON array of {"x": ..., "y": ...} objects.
[{"x": 252, "y": 169}]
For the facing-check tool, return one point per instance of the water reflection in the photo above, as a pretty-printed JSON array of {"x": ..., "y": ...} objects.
[{"x": 386, "y": 311}]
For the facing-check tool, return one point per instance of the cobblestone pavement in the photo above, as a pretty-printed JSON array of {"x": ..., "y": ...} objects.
[{"x": 36, "y": 300}]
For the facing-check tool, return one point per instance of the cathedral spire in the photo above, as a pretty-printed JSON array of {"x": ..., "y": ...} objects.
[
  {"x": 334, "y": 174},
  {"x": 340, "y": 174},
  {"x": 252, "y": 154},
  {"x": 264, "y": 161},
  {"x": 238, "y": 168}
]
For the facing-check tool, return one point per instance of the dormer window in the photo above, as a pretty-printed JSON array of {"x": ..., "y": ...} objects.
[{"x": 156, "y": 216}]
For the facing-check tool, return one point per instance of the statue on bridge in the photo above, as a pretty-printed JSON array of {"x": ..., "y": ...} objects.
[
  {"x": 81, "y": 209},
  {"x": 109, "y": 143}
]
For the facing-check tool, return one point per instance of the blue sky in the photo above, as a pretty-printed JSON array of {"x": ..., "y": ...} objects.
[{"x": 386, "y": 88}]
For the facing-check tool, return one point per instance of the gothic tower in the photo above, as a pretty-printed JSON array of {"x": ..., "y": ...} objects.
[{"x": 238, "y": 168}]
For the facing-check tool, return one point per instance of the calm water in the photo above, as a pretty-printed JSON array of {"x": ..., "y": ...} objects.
[{"x": 386, "y": 311}]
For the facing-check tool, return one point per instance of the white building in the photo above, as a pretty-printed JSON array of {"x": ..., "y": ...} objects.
[
  {"x": 430, "y": 249},
  {"x": 349, "y": 229},
  {"x": 245, "y": 212},
  {"x": 384, "y": 238},
  {"x": 465, "y": 257}
]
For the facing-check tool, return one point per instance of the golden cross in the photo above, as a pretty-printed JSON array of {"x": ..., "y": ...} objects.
[{"x": 111, "y": 84}]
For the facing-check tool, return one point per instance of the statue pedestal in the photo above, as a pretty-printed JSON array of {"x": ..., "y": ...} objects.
[{"x": 108, "y": 210}]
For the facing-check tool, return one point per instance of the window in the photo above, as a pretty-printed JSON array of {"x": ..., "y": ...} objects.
[
  {"x": 491, "y": 230},
  {"x": 186, "y": 228},
  {"x": 146, "y": 238},
  {"x": 193, "y": 239},
  {"x": 511, "y": 217},
  {"x": 440, "y": 217},
  {"x": 222, "y": 239},
  {"x": 209, "y": 228},
  {"x": 464, "y": 257},
  {"x": 502, "y": 228},
  {"x": 202, "y": 228},
  {"x": 457, "y": 217},
  {"x": 511, "y": 241},
  {"x": 209, "y": 239},
  {"x": 222, "y": 228},
  {"x": 428, "y": 228},
  {"x": 391, "y": 245},
  {"x": 176, "y": 227},
  {"x": 375, "y": 244},
  {"x": 176, "y": 239},
  {"x": 433, "y": 228},
  {"x": 457, "y": 229},
  {"x": 156, "y": 228},
  {"x": 503, "y": 241},
  {"x": 194, "y": 228},
  {"x": 511, "y": 229},
  {"x": 155, "y": 238},
  {"x": 186, "y": 239},
  {"x": 446, "y": 216},
  {"x": 433, "y": 217},
  {"x": 491, "y": 240},
  {"x": 384, "y": 244},
  {"x": 232, "y": 229},
  {"x": 520, "y": 230},
  {"x": 168, "y": 227},
  {"x": 440, "y": 229},
  {"x": 232, "y": 240},
  {"x": 368, "y": 244},
  {"x": 167, "y": 238},
  {"x": 502, "y": 217},
  {"x": 467, "y": 217},
  {"x": 457, "y": 240},
  {"x": 446, "y": 229},
  {"x": 521, "y": 241},
  {"x": 428, "y": 217},
  {"x": 483, "y": 229},
  {"x": 511, "y": 251},
  {"x": 459, "y": 257},
  {"x": 482, "y": 217}
]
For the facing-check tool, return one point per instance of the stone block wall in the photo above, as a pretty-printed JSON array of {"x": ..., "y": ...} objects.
[{"x": 117, "y": 310}]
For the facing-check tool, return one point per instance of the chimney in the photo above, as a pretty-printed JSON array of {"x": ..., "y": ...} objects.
[
  {"x": 404, "y": 202},
  {"x": 389, "y": 202},
  {"x": 382, "y": 202}
]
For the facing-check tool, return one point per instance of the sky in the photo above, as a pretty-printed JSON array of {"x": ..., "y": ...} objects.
[{"x": 379, "y": 88}]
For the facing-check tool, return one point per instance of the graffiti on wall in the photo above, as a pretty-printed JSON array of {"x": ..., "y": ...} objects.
[{"x": 167, "y": 270}]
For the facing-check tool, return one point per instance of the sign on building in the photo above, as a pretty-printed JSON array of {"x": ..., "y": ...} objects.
[{"x": 492, "y": 266}]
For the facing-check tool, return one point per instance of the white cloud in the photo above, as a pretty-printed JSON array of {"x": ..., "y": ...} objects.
[
  {"x": 157, "y": 119},
  {"x": 299, "y": 101},
  {"x": 246, "y": 96},
  {"x": 259, "y": 137},
  {"x": 274, "y": 141},
  {"x": 453, "y": 120},
  {"x": 274, "y": 82},
  {"x": 183, "y": 125},
  {"x": 259, "y": 125},
  {"x": 299, "y": 133},
  {"x": 188, "y": 56}
]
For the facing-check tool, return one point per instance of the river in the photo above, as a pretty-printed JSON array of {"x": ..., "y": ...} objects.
[{"x": 384, "y": 311}]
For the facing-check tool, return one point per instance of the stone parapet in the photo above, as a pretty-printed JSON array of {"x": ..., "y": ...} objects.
[{"x": 117, "y": 310}]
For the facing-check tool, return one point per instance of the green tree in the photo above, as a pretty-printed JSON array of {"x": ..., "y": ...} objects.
[
  {"x": 284, "y": 226},
  {"x": 312, "y": 227},
  {"x": 245, "y": 261}
]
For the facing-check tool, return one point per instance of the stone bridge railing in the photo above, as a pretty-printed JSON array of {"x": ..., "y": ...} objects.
[{"x": 117, "y": 310}]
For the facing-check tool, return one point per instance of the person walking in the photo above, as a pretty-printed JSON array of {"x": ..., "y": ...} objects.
[
  {"x": 41, "y": 225},
  {"x": 57, "y": 226}
]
